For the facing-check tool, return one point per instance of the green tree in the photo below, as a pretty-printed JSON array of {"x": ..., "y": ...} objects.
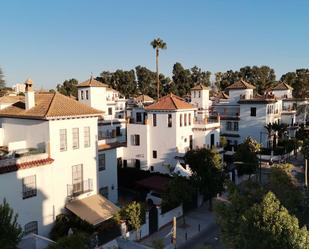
[
  {"x": 158, "y": 44},
  {"x": 182, "y": 81},
  {"x": 76, "y": 241},
  {"x": 299, "y": 80},
  {"x": 10, "y": 230},
  {"x": 2, "y": 81},
  {"x": 120, "y": 80},
  {"x": 207, "y": 172},
  {"x": 68, "y": 87},
  {"x": 146, "y": 81},
  {"x": 200, "y": 77},
  {"x": 246, "y": 156},
  {"x": 269, "y": 225}
]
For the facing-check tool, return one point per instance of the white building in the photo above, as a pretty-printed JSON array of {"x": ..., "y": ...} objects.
[
  {"x": 160, "y": 134},
  {"x": 48, "y": 161},
  {"x": 244, "y": 113},
  {"x": 111, "y": 131},
  {"x": 19, "y": 88}
]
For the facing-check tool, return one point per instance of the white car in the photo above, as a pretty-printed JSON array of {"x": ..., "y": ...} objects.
[{"x": 154, "y": 198}]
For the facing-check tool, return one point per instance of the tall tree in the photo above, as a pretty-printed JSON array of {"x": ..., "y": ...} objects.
[
  {"x": 246, "y": 155},
  {"x": 146, "y": 80},
  {"x": 299, "y": 80},
  {"x": 68, "y": 87},
  {"x": 200, "y": 77},
  {"x": 207, "y": 172},
  {"x": 2, "y": 82},
  {"x": 182, "y": 81},
  {"x": 158, "y": 44},
  {"x": 10, "y": 230}
]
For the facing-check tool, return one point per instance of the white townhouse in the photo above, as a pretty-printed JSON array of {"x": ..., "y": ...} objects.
[
  {"x": 48, "y": 160},
  {"x": 160, "y": 134},
  {"x": 111, "y": 132},
  {"x": 244, "y": 113}
]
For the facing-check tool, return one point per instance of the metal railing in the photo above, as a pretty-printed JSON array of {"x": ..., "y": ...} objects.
[{"x": 79, "y": 188}]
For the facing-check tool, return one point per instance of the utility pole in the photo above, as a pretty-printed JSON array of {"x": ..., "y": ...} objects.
[{"x": 174, "y": 232}]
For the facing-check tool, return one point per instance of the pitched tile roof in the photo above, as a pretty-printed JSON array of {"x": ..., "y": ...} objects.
[
  {"x": 26, "y": 165},
  {"x": 92, "y": 83},
  {"x": 48, "y": 106},
  {"x": 222, "y": 95},
  {"x": 170, "y": 102},
  {"x": 10, "y": 99},
  {"x": 241, "y": 84},
  {"x": 199, "y": 87},
  {"x": 144, "y": 98},
  {"x": 282, "y": 86}
]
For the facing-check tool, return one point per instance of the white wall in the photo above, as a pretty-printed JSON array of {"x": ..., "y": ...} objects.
[
  {"x": 96, "y": 97},
  {"x": 234, "y": 95},
  {"x": 108, "y": 177}
]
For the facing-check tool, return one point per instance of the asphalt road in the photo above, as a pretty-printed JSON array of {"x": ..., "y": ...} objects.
[{"x": 209, "y": 237}]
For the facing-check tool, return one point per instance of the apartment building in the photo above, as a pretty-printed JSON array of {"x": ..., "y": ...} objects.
[{"x": 48, "y": 161}]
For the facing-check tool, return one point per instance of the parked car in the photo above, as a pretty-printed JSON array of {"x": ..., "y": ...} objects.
[{"x": 154, "y": 198}]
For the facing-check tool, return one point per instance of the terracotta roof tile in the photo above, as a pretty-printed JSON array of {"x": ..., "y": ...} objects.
[
  {"x": 170, "y": 102},
  {"x": 92, "y": 83},
  {"x": 241, "y": 84},
  {"x": 282, "y": 86},
  {"x": 144, "y": 98},
  {"x": 10, "y": 99},
  {"x": 49, "y": 105},
  {"x": 199, "y": 87},
  {"x": 222, "y": 95},
  {"x": 26, "y": 165}
]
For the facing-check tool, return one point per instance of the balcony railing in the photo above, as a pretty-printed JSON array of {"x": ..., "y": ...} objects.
[{"x": 79, "y": 188}]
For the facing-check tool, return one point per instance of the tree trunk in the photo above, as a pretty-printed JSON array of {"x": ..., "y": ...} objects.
[
  {"x": 306, "y": 173},
  {"x": 157, "y": 67}
]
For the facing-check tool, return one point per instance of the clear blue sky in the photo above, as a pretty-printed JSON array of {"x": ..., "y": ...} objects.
[{"x": 51, "y": 41}]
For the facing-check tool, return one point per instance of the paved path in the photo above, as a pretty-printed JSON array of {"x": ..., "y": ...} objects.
[{"x": 197, "y": 222}]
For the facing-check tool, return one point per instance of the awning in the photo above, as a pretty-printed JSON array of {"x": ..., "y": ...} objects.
[{"x": 93, "y": 209}]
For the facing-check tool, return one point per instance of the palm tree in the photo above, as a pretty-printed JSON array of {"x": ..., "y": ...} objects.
[
  {"x": 269, "y": 128},
  {"x": 158, "y": 44}
]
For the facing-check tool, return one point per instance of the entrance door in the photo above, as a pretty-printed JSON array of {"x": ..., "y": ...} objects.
[
  {"x": 153, "y": 219},
  {"x": 212, "y": 140},
  {"x": 77, "y": 178},
  {"x": 137, "y": 163}
]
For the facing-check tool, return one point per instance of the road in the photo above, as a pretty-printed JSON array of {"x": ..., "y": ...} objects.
[{"x": 208, "y": 237}]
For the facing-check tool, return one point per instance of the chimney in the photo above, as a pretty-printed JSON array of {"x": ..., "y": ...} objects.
[{"x": 29, "y": 95}]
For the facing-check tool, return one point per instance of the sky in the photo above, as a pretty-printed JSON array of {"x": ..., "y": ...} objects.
[{"x": 51, "y": 41}]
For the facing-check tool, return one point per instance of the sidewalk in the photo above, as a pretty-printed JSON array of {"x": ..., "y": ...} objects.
[{"x": 197, "y": 221}]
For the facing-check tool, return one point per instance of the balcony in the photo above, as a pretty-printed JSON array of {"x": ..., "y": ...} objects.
[{"x": 79, "y": 188}]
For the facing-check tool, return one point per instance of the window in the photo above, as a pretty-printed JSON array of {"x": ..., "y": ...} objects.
[
  {"x": 138, "y": 117},
  {"x": 253, "y": 112},
  {"x": 110, "y": 111},
  {"x": 154, "y": 119},
  {"x": 87, "y": 136},
  {"x": 31, "y": 227},
  {"x": 229, "y": 126},
  {"x": 169, "y": 120},
  {"x": 63, "y": 140},
  {"x": 194, "y": 93},
  {"x": 189, "y": 118},
  {"x": 235, "y": 126},
  {"x": 104, "y": 192},
  {"x": 87, "y": 95},
  {"x": 135, "y": 140},
  {"x": 77, "y": 178},
  {"x": 185, "y": 119},
  {"x": 82, "y": 94},
  {"x": 180, "y": 120},
  {"x": 101, "y": 162},
  {"x": 75, "y": 135},
  {"x": 199, "y": 94},
  {"x": 29, "y": 186},
  {"x": 154, "y": 154}
]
